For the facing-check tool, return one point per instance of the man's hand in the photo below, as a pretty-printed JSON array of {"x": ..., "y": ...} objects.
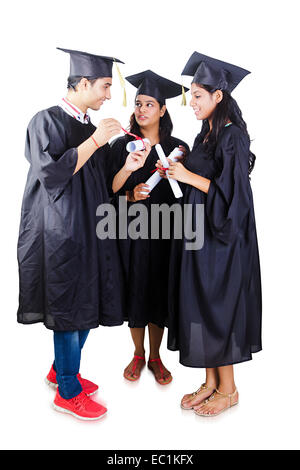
[{"x": 106, "y": 129}]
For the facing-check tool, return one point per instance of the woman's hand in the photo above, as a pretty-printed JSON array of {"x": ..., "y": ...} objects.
[
  {"x": 183, "y": 156},
  {"x": 159, "y": 165},
  {"x": 137, "y": 192},
  {"x": 136, "y": 160},
  {"x": 160, "y": 170},
  {"x": 178, "y": 172}
]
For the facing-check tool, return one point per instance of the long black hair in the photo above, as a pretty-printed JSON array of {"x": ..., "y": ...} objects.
[
  {"x": 227, "y": 109},
  {"x": 165, "y": 126}
]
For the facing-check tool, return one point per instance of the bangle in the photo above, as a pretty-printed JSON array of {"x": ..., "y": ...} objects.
[{"x": 98, "y": 146}]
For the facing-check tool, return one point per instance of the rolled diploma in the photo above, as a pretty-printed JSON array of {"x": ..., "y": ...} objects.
[
  {"x": 173, "y": 183},
  {"x": 155, "y": 178},
  {"x": 136, "y": 145}
]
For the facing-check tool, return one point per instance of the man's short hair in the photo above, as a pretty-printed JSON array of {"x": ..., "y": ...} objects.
[{"x": 73, "y": 80}]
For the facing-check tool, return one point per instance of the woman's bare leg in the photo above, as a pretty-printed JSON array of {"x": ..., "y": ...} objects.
[
  {"x": 226, "y": 386},
  {"x": 155, "y": 339},
  {"x": 211, "y": 382},
  {"x": 138, "y": 336}
]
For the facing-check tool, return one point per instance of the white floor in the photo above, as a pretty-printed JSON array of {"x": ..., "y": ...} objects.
[{"x": 141, "y": 415}]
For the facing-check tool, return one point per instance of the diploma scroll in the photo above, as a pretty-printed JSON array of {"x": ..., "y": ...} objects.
[
  {"x": 155, "y": 178},
  {"x": 173, "y": 183},
  {"x": 136, "y": 145}
]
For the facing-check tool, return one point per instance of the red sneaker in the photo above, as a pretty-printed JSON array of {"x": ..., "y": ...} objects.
[
  {"x": 81, "y": 407},
  {"x": 88, "y": 387}
]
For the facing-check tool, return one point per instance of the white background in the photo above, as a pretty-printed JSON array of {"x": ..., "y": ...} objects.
[{"x": 261, "y": 36}]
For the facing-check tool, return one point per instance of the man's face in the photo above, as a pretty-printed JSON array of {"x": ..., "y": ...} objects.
[{"x": 94, "y": 94}]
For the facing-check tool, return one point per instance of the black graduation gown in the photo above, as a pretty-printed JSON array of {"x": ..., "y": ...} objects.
[
  {"x": 69, "y": 279},
  {"x": 215, "y": 292},
  {"x": 145, "y": 261}
]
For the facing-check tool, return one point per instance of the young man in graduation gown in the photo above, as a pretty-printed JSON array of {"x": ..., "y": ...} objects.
[{"x": 69, "y": 279}]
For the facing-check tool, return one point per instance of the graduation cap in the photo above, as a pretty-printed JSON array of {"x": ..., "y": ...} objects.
[
  {"x": 213, "y": 72},
  {"x": 152, "y": 84},
  {"x": 83, "y": 64}
]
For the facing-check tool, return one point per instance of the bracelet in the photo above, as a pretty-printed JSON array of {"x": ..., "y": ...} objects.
[{"x": 98, "y": 146}]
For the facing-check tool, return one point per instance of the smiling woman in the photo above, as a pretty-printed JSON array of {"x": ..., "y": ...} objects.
[
  {"x": 218, "y": 323},
  {"x": 217, "y": 108},
  {"x": 203, "y": 102}
]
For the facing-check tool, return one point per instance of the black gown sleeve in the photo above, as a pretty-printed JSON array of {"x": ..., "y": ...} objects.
[
  {"x": 118, "y": 155},
  {"x": 181, "y": 142},
  {"x": 102, "y": 160},
  {"x": 228, "y": 200},
  {"x": 46, "y": 149}
]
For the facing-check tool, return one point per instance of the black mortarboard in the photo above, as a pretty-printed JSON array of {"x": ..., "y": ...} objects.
[
  {"x": 87, "y": 65},
  {"x": 216, "y": 73},
  {"x": 151, "y": 84}
]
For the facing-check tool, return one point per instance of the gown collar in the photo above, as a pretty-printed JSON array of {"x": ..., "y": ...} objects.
[{"x": 74, "y": 111}]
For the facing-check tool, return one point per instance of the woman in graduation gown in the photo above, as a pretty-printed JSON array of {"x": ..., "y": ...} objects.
[
  {"x": 146, "y": 261},
  {"x": 69, "y": 279},
  {"x": 215, "y": 291}
]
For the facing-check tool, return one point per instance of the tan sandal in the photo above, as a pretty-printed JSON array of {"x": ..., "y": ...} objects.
[
  {"x": 192, "y": 395},
  {"x": 215, "y": 397}
]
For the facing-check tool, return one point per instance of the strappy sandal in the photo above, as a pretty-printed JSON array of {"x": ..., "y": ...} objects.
[
  {"x": 192, "y": 395},
  {"x": 136, "y": 360},
  {"x": 214, "y": 396},
  {"x": 158, "y": 360}
]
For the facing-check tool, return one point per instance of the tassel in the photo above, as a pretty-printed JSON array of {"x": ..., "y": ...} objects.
[
  {"x": 122, "y": 82},
  {"x": 183, "y": 102},
  {"x": 124, "y": 98}
]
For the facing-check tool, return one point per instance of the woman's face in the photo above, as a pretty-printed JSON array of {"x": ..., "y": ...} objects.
[
  {"x": 203, "y": 102},
  {"x": 147, "y": 111}
]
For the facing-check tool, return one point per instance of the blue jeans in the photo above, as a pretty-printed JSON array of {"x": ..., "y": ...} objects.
[{"x": 67, "y": 350}]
